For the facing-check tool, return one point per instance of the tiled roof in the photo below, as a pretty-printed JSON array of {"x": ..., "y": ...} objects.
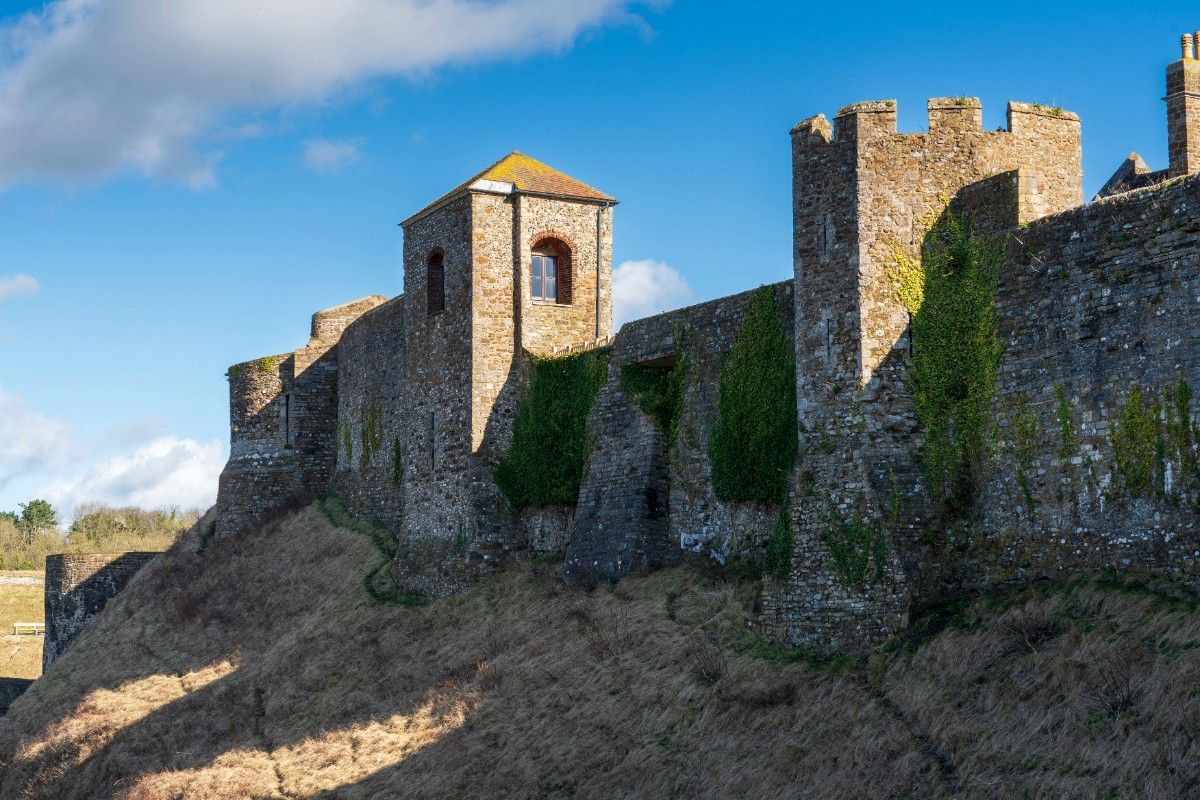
[{"x": 527, "y": 175}]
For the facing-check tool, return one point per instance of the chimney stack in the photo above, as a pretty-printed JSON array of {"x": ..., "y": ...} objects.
[{"x": 1183, "y": 109}]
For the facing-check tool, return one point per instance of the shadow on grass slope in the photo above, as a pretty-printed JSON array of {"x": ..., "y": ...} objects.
[{"x": 264, "y": 669}]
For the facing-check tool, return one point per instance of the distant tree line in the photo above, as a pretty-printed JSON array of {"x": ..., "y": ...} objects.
[{"x": 31, "y": 533}]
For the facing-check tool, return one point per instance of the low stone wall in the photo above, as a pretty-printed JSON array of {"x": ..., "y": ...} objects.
[{"x": 78, "y": 587}]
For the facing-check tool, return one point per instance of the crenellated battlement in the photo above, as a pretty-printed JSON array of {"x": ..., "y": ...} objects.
[{"x": 872, "y": 119}]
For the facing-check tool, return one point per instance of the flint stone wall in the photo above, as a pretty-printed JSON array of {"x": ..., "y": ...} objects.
[
  {"x": 373, "y": 442},
  {"x": 78, "y": 587},
  {"x": 1093, "y": 301},
  {"x": 645, "y": 502}
]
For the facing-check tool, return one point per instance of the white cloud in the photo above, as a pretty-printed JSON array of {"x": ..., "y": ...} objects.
[
  {"x": 93, "y": 87},
  {"x": 642, "y": 288},
  {"x": 30, "y": 442},
  {"x": 327, "y": 155},
  {"x": 13, "y": 285},
  {"x": 167, "y": 471}
]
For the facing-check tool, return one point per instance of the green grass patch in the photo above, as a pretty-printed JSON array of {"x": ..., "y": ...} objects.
[{"x": 378, "y": 583}]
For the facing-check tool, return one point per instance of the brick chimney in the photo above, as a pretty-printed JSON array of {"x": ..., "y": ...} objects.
[{"x": 1183, "y": 109}]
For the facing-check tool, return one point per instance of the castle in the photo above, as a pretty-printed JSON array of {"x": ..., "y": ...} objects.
[{"x": 404, "y": 407}]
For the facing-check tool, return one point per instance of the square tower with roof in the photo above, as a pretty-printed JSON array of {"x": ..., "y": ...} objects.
[{"x": 515, "y": 261}]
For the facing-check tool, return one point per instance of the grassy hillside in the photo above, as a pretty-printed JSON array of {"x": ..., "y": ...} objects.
[
  {"x": 265, "y": 669},
  {"x": 20, "y": 601}
]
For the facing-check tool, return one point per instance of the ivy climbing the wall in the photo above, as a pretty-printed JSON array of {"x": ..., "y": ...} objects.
[
  {"x": 370, "y": 432},
  {"x": 1024, "y": 426},
  {"x": 1066, "y": 422},
  {"x": 753, "y": 442},
  {"x": 858, "y": 547},
  {"x": 397, "y": 461},
  {"x": 1154, "y": 443},
  {"x": 550, "y": 443},
  {"x": 955, "y": 355},
  {"x": 777, "y": 560},
  {"x": 658, "y": 391}
]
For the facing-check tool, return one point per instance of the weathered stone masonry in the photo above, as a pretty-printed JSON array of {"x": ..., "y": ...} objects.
[
  {"x": 405, "y": 413},
  {"x": 78, "y": 587}
]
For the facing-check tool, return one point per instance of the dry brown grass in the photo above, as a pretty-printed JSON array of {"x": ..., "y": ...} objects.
[
  {"x": 263, "y": 670},
  {"x": 20, "y": 656}
]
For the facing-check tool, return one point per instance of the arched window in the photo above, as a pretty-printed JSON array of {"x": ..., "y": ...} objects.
[
  {"x": 435, "y": 282},
  {"x": 551, "y": 278}
]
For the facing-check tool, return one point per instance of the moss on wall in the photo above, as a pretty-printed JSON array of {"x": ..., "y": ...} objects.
[
  {"x": 777, "y": 560},
  {"x": 370, "y": 432},
  {"x": 753, "y": 442},
  {"x": 858, "y": 547},
  {"x": 1154, "y": 443},
  {"x": 550, "y": 444}
]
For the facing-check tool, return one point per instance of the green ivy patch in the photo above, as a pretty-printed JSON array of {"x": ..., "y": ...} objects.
[
  {"x": 752, "y": 445},
  {"x": 397, "y": 461},
  {"x": 1066, "y": 422},
  {"x": 777, "y": 561},
  {"x": 1136, "y": 441},
  {"x": 550, "y": 444},
  {"x": 370, "y": 432},
  {"x": 658, "y": 391},
  {"x": 955, "y": 355},
  {"x": 1024, "y": 426},
  {"x": 859, "y": 548},
  {"x": 1153, "y": 430}
]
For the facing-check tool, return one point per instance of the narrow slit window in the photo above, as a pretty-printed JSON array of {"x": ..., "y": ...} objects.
[{"x": 435, "y": 279}]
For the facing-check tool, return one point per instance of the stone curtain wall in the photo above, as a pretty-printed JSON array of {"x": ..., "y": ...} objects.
[
  {"x": 283, "y": 424},
  {"x": 1092, "y": 301},
  {"x": 411, "y": 412},
  {"x": 373, "y": 442},
  {"x": 78, "y": 586},
  {"x": 644, "y": 501}
]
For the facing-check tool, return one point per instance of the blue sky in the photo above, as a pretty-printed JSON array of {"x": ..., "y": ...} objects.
[{"x": 183, "y": 182}]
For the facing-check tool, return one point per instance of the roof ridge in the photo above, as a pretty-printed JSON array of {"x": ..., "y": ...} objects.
[{"x": 525, "y": 174}]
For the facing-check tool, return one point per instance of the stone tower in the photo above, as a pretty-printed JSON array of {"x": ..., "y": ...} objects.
[
  {"x": 863, "y": 196},
  {"x": 1183, "y": 110},
  {"x": 517, "y": 260}
]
